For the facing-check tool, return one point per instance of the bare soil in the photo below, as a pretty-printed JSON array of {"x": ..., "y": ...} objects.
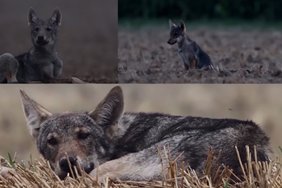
[{"x": 243, "y": 55}]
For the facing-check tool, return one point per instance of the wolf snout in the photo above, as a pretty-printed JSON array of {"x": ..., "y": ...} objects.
[
  {"x": 69, "y": 164},
  {"x": 171, "y": 42},
  {"x": 41, "y": 40}
]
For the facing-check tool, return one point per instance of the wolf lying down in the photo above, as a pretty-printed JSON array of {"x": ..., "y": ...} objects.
[{"x": 130, "y": 146}]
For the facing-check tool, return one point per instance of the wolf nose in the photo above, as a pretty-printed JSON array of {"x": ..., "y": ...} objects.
[
  {"x": 67, "y": 163},
  {"x": 40, "y": 38},
  {"x": 89, "y": 167}
]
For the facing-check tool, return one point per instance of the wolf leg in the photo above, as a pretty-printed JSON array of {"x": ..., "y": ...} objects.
[
  {"x": 184, "y": 60},
  {"x": 148, "y": 164},
  {"x": 58, "y": 66},
  {"x": 186, "y": 66},
  {"x": 194, "y": 63},
  {"x": 8, "y": 68}
]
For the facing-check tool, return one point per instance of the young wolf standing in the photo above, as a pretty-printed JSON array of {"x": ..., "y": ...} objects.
[
  {"x": 41, "y": 62},
  {"x": 190, "y": 52},
  {"x": 129, "y": 146}
]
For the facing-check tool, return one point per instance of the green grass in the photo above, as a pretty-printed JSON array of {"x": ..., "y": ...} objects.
[{"x": 11, "y": 160}]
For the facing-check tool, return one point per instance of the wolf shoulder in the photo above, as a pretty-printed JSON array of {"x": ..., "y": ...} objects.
[{"x": 185, "y": 122}]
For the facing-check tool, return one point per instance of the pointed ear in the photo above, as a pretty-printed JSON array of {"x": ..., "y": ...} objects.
[
  {"x": 32, "y": 17},
  {"x": 182, "y": 26},
  {"x": 35, "y": 114},
  {"x": 56, "y": 17},
  {"x": 110, "y": 109},
  {"x": 171, "y": 23}
]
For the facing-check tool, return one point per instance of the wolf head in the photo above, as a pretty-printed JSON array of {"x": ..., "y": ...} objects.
[
  {"x": 44, "y": 32},
  {"x": 70, "y": 140},
  {"x": 177, "y": 32}
]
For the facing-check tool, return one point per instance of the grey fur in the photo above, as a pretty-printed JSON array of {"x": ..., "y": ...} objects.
[
  {"x": 41, "y": 62},
  {"x": 8, "y": 68},
  {"x": 190, "y": 52},
  {"x": 132, "y": 146}
]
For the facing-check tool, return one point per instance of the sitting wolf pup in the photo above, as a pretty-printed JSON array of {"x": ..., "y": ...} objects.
[
  {"x": 130, "y": 146},
  {"x": 41, "y": 63},
  {"x": 190, "y": 52}
]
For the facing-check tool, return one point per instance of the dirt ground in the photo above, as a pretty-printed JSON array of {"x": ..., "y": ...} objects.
[
  {"x": 259, "y": 103},
  {"x": 87, "y": 38},
  {"x": 244, "y": 55}
]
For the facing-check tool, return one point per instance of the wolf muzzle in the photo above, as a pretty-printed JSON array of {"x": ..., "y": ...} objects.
[
  {"x": 171, "y": 41},
  {"x": 41, "y": 40},
  {"x": 70, "y": 166}
]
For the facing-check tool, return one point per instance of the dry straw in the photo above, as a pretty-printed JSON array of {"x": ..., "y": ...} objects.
[{"x": 255, "y": 174}]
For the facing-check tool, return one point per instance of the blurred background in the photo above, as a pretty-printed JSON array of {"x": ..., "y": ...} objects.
[
  {"x": 87, "y": 38},
  {"x": 260, "y": 103},
  {"x": 202, "y": 9},
  {"x": 241, "y": 37}
]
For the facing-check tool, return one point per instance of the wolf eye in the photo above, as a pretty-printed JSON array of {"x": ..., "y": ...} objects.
[
  {"x": 48, "y": 29},
  {"x": 36, "y": 29},
  {"x": 52, "y": 141},
  {"x": 83, "y": 135},
  {"x": 175, "y": 33}
]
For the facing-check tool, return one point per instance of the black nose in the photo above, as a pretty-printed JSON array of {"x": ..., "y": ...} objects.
[
  {"x": 67, "y": 163},
  {"x": 89, "y": 167},
  {"x": 40, "y": 38}
]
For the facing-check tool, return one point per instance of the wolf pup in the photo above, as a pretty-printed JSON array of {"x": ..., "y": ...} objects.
[
  {"x": 190, "y": 52},
  {"x": 41, "y": 62},
  {"x": 130, "y": 146}
]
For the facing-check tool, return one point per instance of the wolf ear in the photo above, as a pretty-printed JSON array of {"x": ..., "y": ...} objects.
[
  {"x": 56, "y": 17},
  {"x": 35, "y": 114},
  {"x": 108, "y": 112},
  {"x": 182, "y": 26},
  {"x": 171, "y": 23},
  {"x": 32, "y": 17}
]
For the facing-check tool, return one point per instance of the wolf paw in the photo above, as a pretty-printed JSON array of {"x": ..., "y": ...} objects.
[
  {"x": 6, "y": 172},
  {"x": 77, "y": 80},
  {"x": 103, "y": 178}
]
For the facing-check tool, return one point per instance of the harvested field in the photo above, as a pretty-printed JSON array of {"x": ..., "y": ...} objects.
[
  {"x": 243, "y": 54},
  {"x": 256, "y": 174}
]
